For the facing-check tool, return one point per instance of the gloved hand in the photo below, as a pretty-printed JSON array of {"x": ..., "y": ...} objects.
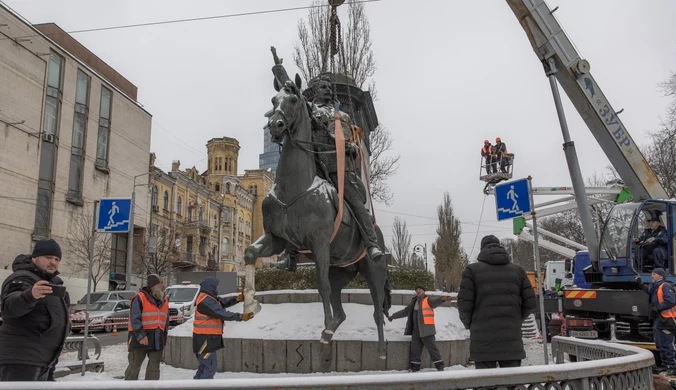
[
  {"x": 240, "y": 297},
  {"x": 390, "y": 318},
  {"x": 247, "y": 316}
]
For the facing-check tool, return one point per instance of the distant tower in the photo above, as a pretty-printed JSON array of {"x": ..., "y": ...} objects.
[
  {"x": 270, "y": 156},
  {"x": 222, "y": 165}
]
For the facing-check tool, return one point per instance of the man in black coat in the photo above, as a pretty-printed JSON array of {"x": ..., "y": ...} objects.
[
  {"x": 495, "y": 298},
  {"x": 35, "y": 320}
]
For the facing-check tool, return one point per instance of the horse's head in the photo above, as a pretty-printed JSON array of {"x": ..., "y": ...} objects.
[{"x": 288, "y": 105}]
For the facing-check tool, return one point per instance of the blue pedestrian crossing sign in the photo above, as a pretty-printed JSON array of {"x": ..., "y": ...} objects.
[
  {"x": 113, "y": 215},
  {"x": 512, "y": 199}
]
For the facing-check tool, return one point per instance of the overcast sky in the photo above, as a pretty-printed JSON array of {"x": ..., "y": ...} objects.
[{"x": 450, "y": 74}]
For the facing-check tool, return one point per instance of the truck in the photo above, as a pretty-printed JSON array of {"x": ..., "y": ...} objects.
[{"x": 607, "y": 303}]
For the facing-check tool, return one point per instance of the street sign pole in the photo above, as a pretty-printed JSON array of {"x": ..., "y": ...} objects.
[
  {"x": 89, "y": 288},
  {"x": 130, "y": 237},
  {"x": 536, "y": 250}
]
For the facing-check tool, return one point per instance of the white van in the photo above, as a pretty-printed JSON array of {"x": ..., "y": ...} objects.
[{"x": 182, "y": 299}]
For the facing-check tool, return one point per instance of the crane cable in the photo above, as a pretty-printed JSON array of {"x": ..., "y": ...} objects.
[{"x": 477, "y": 229}]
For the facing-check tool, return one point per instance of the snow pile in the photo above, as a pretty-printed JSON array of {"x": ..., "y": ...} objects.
[{"x": 305, "y": 321}]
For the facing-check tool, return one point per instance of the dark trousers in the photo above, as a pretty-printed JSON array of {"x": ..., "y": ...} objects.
[
  {"x": 23, "y": 373},
  {"x": 490, "y": 166},
  {"x": 503, "y": 364},
  {"x": 430, "y": 343},
  {"x": 136, "y": 358},
  {"x": 664, "y": 342},
  {"x": 207, "y": 365}
]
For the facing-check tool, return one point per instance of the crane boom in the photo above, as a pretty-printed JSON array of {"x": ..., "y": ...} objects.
[{"x": 550, "y": 43}]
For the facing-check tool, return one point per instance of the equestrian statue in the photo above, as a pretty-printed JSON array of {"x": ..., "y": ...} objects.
[{"x": 317, "y": 205}]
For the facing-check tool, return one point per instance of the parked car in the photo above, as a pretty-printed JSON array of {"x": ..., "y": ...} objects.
[
  {"x": 103, "y": 315},
  {"x": 102, "y": 296},
  {"x": 182, "y": 299}
]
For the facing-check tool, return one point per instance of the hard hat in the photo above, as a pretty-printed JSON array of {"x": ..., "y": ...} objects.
[
  {"x": 497, "y": 139},
  {"x": 486, "y": 141}
]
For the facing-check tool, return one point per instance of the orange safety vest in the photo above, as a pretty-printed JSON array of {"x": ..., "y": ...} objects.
[
  {"x": 152, "y": 317},
  {"x": 427, "y": 312},
  {"x": 204, "y": 324},
  {"x": 669, "y": 313}
]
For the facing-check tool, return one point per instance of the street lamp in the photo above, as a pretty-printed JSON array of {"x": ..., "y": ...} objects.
[{"x": 130, "y": 240}]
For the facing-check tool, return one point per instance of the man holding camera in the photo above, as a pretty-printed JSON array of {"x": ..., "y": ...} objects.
[{"x": 35, "y": 315}]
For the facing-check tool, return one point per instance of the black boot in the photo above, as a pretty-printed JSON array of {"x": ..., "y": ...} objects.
[
  {"x": 415, "y": 367},
  {"x": 439, "y": 366}
]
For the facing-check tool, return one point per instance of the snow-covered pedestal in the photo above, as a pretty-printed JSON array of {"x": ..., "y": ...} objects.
[{"x": 284, "y": 337}]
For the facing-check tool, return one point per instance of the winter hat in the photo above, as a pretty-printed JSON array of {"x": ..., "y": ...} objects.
[
  {"x": 46, "y": 248},
  {"x": 659, "y": 271},
  {"x": 490, "y": 239},
  {"x": 421, "y": 287},
  {"x": 153, "y": 280}
]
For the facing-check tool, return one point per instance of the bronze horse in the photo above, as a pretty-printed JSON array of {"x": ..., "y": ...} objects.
[{"x": 299, "y": 213}]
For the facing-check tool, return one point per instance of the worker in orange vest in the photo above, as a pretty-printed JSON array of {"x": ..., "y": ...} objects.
[
  {"x": 420, "y": 326},
  {"x": 207, "y": 330},
  {"x": 663, "y": 314},
  {"x": 487, "y": 154},
  {"x": 148, "y": 326}
]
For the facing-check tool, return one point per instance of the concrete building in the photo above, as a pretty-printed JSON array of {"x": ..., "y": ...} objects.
[
  {"x": 72, "y": 133},
  {"x": 269, "y": 159}
]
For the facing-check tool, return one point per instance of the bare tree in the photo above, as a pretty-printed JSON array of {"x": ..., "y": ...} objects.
[
  {"x": 80, "y": 236},
  {"x": 312, "y": 57},
  {"x": 158, "y": 255},
  {"x": 401, "y": 243},
  {"x": 449, "y": 257}
]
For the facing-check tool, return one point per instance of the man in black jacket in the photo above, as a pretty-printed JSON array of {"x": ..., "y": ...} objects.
[
  {"x": 35, "y": 321},
  {"x": 495, "y": 298}
]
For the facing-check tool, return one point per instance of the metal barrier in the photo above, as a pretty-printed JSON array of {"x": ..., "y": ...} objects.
[
  {"x": 609, "y": 366},
  {"x": 74, "y": 343}
]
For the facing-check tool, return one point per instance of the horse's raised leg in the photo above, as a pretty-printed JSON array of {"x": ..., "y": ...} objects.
[
  {"x": 267, "y": 245},
  {"x": 375, "y": 275},
  {"x": 322, "y": 257},
  {"x": 339, "y": 277}
]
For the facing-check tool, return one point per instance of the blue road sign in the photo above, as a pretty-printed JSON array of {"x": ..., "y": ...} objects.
[
  {"x": 113, "y": 215},
  {"x": 512, "y": 199}
]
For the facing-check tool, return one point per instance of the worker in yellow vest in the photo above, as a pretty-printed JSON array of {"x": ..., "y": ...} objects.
[
  {"x": 207, "y": 329},
  {"x": 420, "y": 326}
]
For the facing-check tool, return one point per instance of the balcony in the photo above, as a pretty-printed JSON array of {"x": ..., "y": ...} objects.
[
  {"x": 201, "y": 226},
  {"x": 186, "y": 260}
]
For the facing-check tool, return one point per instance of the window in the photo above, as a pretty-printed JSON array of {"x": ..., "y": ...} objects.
[
  {"x": 240, "y": 225},
  {"x": 155, "y": 196},
  {"x": 203, "y": 246},
  {"x": 215, "y": 221},
  {"x": 153, "y": 230},
  {"x": 77, "y": 149},
  {"x": 226, "y": 214},
  {"x": 179, "y": 206},
  {"x": 189, "y": 214},
  {"x": 163, "y": 239},
  {"x": 118, "y": 253},
  {"x": 217, "y": 187},
  {"x": 48, "y": 151},
  {"x": 201, "y": 214},
  {"x": 224, "y": 246},
  {"x": 166, "y": 200},
  {"x": 53, "y": 100},
  {"x": 104, "y": 129},
  {"x": 227, "y": 188},
  {"x": 188, "y": 244}
]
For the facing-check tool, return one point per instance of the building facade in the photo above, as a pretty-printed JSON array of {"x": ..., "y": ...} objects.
[
  {"x": 205, "y": 221},
  {"x": 73, "y": 133}
]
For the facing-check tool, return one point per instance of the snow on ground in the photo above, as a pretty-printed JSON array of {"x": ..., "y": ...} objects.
[
  {"x": 305, "y": 321},
  {"x": 346, "y": 291},
  {"x": 115, "y": 357}
]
